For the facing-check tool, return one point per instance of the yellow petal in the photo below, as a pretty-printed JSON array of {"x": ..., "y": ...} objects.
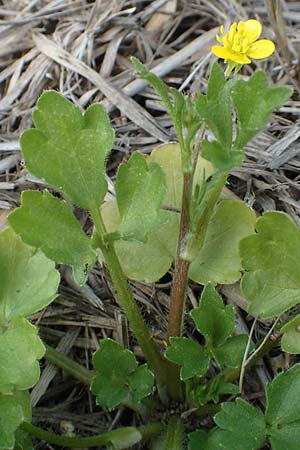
[
  {"x": 229, "y": 55},
  {"x": 252, "y": 30},
  {"x": 219, "y": 39},
  {"x": 261, "y": 49}
]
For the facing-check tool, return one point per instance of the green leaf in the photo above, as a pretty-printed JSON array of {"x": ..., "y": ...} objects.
[
  {"x": 219, "y": 261},
  {"x": 213, "y": 390},
  {"x": 168, "y": 156},
  {"x": 200, "y": 440},
  {"x": 23, "y": 441},
  {"x": 215, "y": 107},
  {"x": 193, "y": 359},
  {"x": 28, "y": 279},
  {"x": 243, "y": 426},
  {"x": 125, "y": 437},
  {"x": 118, "y": 375},
  {"x": 282, "y": 395},
  {"x": 147, "y": 261},
  {"x": 254, "y": 101},
  {"x": 222, "y": 159},
  {"x": 68, "y": 150},
  {"x": 11, "y": 416},
  {"x": 213, "y": 319},
  {"x": 46, "y": 222},
  {"x": 141, "y": 383},
  {"x": 272, "y": 279},
  {"x": 286, "y": 437},
  {"x": 231, "y": 353},
  {"x": 155, "y": 82},
  {"x": 20, "y": 350},
  {"x": 140, "y": 190},
  {"x": 290, "y": 341}
]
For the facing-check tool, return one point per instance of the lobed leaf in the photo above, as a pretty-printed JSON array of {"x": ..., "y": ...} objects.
[
  {"x": 20, "y": 350},
  {"x": 212, "y": 318},
  {"x": 193, "y": 359},
  {"x": 254, "y": 101},
  {"x": 28, "y": 279},
  {"x": 283, "y": 404},
  {"x": 231, "y": 353},
  {"x": 219, "y": 261},
  {"x": 140, "y": 189},
  {"x": 286, "y": 437},
  {"x": 118, "y": 376},
  {"x": 290, "y": 341},
  {"x": 13, "y": 411},
  {"x": 222, "y": 159},
  {"x": 243, "y": 426},
  {"x": 272, "y": 279},
  {"x": 215, "y": 107},
  {"x": 69, "y": 149},
  {"x": 42, "y": 221},
  {"x": 144, "y": 261}
]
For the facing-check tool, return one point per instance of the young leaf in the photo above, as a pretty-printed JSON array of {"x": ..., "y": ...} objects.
[
  {"x": 290, "y": 341},
  {"x": 68, "y": 150},
  {"x": 219, "y": 261},
  {"x": 231, "y": 353},
  {"x": 155, "y": 82},
  {"x": 20, "y": 350},
  {"x": 222, "y": 159},
  {"x": 43, "y": 220},
  {"x": 282, "y": 393},
  {"x": 213, "y": 390},
  {"x": 193, "y": 359},
  {"x": 243, "y": 426},
  {"x": 11, "y": 416},
  {"x": 28, "y": 279},
  {"x": 272, "y": 279},
  {"x": 140, "y": 190},
  {"x": 118, "y": 375},
  {"x": 215, "y": 107},
  {"x": 212, "y": 318},
  {"x": 254, "y": 101}
]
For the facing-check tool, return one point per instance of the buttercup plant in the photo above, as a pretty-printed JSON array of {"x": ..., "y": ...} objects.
[{"x": 169, "y": 210}]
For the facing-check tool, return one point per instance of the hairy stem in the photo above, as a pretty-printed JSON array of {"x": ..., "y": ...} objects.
[
  {"x": 178, "y": 291},
  {"x": 137, "y": 323},
  {"x": 146, "y": 432},
  {"x": 174, "y": 435}
]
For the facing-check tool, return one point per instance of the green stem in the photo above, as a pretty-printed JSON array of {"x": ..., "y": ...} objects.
[
  {"x": 140, "y": 330},
  {"x": 174, "y": 435},
  {"x": 146, "y": 432},
  {"x": 67, "y": 364}
]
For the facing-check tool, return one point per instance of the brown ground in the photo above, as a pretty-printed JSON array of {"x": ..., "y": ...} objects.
[{"x": 82, "y": 48}]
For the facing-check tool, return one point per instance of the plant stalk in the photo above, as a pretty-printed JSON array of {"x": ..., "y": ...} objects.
[
  {"x": 67, "y": 364},
  {"x": 178, "y": 291},
  {"x": 137, "y": 323},
  {"x": 174, "y": 435},
  {"x": 146, "y": 432}
]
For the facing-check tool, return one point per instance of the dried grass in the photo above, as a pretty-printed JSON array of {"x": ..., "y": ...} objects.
[{"x": 82, "y": 48}]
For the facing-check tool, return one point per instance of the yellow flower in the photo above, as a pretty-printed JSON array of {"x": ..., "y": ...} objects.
[{"x": 241, "y": 43}]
